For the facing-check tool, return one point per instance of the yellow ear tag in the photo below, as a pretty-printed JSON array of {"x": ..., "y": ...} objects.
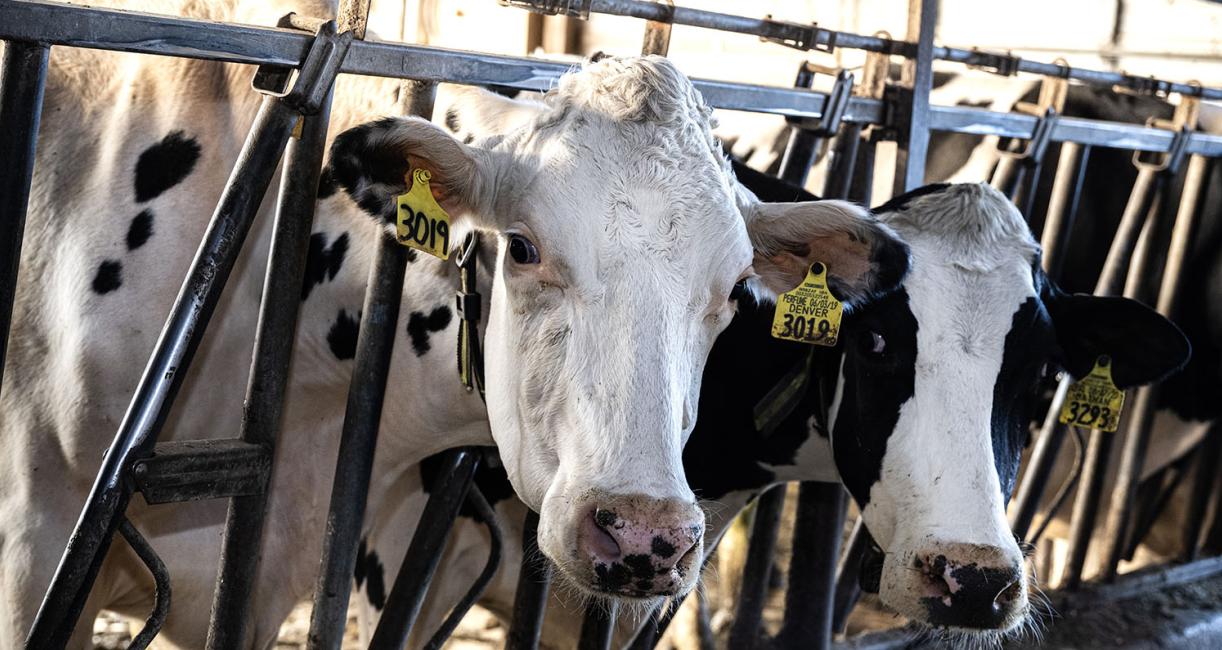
[
  {"x": 422, "y": 224},
  {"x": 809, "y": 313},
  {"x": 1093, "y": 401}
]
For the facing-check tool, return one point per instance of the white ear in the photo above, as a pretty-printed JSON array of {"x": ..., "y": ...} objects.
[
  {"x": 472, "y": 113},
  {"x": 863, "y": 256},
  {"x": 371, "y": 162}
]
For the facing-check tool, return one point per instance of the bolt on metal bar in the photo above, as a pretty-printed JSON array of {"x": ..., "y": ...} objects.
[
  {"x": 598, "y": 626},
  {"x": 268, "y": 378},
  {"x": 172, "y": 355},
  {"x": 161, "y": 582},
  {"x": 530, "y": 599},
  {"x": 23, "y": 77},
  {"x": 366, "y": 394},
  {"x": 457, "y": 471},
  {"x": 1141, "y": 417},
  {"x": 758, "y": 569}
]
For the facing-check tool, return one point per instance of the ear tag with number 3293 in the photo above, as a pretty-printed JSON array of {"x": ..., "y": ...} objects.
[
  {"x": 809, "y": 313},
  {"x": 1094, "y": 401},
  {"x": 422, "y": 223}
]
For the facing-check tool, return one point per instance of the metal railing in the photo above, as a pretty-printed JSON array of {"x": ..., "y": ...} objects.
[{"x": 238, "y": 468}]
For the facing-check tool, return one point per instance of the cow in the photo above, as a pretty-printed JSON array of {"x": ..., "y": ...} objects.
[
  {"x": 928, "y": 401},
  {"x": 616, "y": 246}
]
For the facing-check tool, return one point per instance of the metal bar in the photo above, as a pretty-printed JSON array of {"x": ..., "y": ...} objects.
[
  {"x": 848, "y": 574},
  {"x": 842, "y": 162},
  {"x": 803, "y": 145},
  {"x": 1099, "y": 446},
  {"x": 454, "y": 476},
  {"x": 1141, "y": 417},
  {"x": 108, "y": 29},
  {"x": 915, "y": 124},
  {"x": 758, "y": 569},
  {"x": 598, "y": 626},
  {"x": 1063, "y": 205},
  {"x": 1209, "y": 458},
  {"x": 354, "y": 464},
  {"x": 268, "y": 377},
  {"x": 161, "y": 585},
  {"x": 1039, "y": 467},
  {"x": 530, "y": 599},
  {"x": 812, "y": 568},
  {"x": 23, "y": 77},
  {"x": 483, "y": 511},
  {"x": 184, "y": 328},
  {"x": 190, "y": 470}
]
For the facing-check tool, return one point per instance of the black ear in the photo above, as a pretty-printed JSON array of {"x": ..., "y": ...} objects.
[{"x": 1144, "y": 346}]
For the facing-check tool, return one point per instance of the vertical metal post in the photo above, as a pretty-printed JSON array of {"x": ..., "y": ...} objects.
[
  {"x": 848, "y": 573},
  {"x": 1205, "y": 477},
  {"x": 1063, "y": 205},
  {"x": 375, "y": 344},
  {"x": 812, "y": 569},
  {"x": 842, "y": 162},
  {"x": 457, "y": 470},
  {"x": 530, "y": 599},
  {"x": 22, "y": 80},
  {"x": 1137, "y": 433},
  {"x": 268, "y": 379},
  {"x": 598, "y": 626},
  {"x": 183, "y": 331},
  {"x": 1099, "y": 446},
  {"x": 754, "y": 595},
  {"x": 803, "y": 145},
  {"x": 914, "y": 132}
]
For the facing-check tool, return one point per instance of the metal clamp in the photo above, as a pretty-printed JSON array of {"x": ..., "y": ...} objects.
[
  {"x": 657, "y": 32},
  {"x": 834, "y": 107},
  {"x": 1183, "y": 122},
  {"x": 801, "y": 37},
  {"x": 571, "y": 8},
  {"x": 1003, "y": 64},
  {"x": 1037, "y": 144},
  {"x": 304, "y": 90}
]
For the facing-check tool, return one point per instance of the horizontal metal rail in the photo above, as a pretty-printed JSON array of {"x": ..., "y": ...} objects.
[
  {"x": 59, "y": 24},
  {"x": 812, "y": 37}
]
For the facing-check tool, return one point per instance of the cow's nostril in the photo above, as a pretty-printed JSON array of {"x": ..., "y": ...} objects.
[
  {"x": 1008, "y": 596},
  {"x": 601, "y": 542}
]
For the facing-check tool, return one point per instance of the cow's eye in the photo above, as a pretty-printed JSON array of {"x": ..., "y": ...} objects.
[
  {"x": 739, "y": 291},
  {"x": 522, "y": 250},
  {"x": 876, "y": 344}
]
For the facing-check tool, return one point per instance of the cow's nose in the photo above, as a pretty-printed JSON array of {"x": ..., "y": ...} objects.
[
  {"x": 640, "y": 546},
  {"x": 971, "y": 586}
]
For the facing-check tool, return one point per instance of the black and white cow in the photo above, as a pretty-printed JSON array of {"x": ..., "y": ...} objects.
[
  {"x": 929, "y": 398},
  {"x": 614, "y": 237}
]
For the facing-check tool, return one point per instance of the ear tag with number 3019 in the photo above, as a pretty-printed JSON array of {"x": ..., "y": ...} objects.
[
  {"x": 809, "y": 313},
  {"x": 1094, "y": 401},
  {"x": 422, "y": 223}
]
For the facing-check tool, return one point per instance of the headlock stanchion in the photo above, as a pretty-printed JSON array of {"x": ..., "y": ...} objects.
[
  {"x": 1204, "y": 481},
  {"x": 172, "y": 355},
  {"x": 530, "y": 599},
  {"x": 354, "y": 464},
  {"x": 22, "y": 80},
  {"x": 598, "y": 626},
  {"x": 757, "y": 571}
]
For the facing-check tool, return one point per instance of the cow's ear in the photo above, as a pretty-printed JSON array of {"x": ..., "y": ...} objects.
[
  {"x": 371, "y": 161},
  {"x": 864, "y": 257},
  {"x": 1144, "y": 346}
]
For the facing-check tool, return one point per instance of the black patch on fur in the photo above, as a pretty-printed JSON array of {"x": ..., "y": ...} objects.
[
  {"x": 369, "y": 570},
  {"x": 900, "y": 203},
  {"x": 326, "y": 184},
  {"x": 322, "y": 261},
  {"x": 165, "y": 165},
  {"x": 661, "y": 547},
  {"x": 109, "y": 277},
  {"x": 491, "y": 480},
  {"x": 875, "y": 387},
  {"x": 419, "y": 325},
  {"x": 1029, "y": 343},
  {"x": 452, "y": 119},
  {"x": 371, "y": 174},
  {"x": 342, "y": 336},
  {"x": 140, "y": 230}
]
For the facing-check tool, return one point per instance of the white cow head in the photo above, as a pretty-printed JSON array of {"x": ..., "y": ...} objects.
[
  {"x": 621, "y": 238},
  {"x": 937, "y": 392}
]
